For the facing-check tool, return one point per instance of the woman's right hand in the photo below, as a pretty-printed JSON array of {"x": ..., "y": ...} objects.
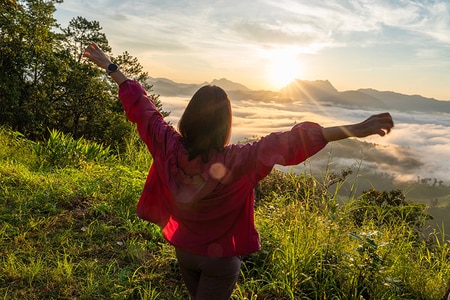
[{"x": 97, "y": 56}]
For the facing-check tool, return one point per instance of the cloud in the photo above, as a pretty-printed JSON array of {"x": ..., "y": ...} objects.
[
  {"x": 417, "y": 146},
  {"x": 388, "y": 44},
  {"x": 268, "y": 22},
  {"x": 269, "y": 34}
]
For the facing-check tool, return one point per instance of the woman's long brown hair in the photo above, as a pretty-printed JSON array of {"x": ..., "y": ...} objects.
[{"x": 206, "y": 122}]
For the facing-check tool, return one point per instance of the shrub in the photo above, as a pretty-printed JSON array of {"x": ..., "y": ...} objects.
[
  {"x": 63, "y": 150},
  {"x": 387, "y": 208}
]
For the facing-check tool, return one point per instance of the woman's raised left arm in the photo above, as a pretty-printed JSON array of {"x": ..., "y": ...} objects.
[{"x": 380, "y": 124}]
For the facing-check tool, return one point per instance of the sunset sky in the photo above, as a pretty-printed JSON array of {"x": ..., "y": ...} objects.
[{"x": 396, "y": 45}]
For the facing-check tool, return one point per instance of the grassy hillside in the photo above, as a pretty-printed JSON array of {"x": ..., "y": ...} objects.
[{"x": 69, "y": 231}]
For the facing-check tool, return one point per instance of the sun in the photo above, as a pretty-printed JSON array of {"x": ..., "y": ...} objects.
[{"x": 282, "y": 70}]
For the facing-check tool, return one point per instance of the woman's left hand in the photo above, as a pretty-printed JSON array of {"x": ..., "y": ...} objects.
[{"x": 380, "y": 124}]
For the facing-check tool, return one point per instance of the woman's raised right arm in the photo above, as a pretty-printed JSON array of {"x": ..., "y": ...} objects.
[
  {"x": 140, "y": 109},
  {"x": 98, "y": 57}
]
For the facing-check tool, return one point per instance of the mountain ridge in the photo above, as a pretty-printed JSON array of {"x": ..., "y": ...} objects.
[{"x": 310, "y": 91}]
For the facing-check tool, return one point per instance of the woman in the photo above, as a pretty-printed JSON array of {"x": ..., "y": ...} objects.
[{"x": 200, "y": 190}]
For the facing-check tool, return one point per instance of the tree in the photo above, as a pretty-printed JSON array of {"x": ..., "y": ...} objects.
[
  {"x": 26, "y": 42},
  {"x": 79, "y": 33},
  {"x": 91, "y": 107},
  {"x": 46, "y": 84},
  {"x": 81, "y": 92}
]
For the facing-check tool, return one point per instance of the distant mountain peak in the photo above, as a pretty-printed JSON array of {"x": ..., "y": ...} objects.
[
  {"x": 308, "y": 89},
  {"x": 229, "y": 85},
  {"x": 319, "y": 84}
]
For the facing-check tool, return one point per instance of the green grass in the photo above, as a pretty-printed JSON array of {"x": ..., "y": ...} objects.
[{"x": 68, "y": 230}]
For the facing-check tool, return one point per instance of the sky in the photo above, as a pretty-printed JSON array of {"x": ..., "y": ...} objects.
[{"x": 397, "y": 45}]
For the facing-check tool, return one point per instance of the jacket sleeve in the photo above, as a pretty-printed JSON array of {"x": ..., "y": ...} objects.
[
  {"x": 282, "y": 148},
  {"x": 153, "y": 130}
]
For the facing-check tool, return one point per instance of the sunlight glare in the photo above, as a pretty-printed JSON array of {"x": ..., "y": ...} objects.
[{"x": 282, "y": 70}]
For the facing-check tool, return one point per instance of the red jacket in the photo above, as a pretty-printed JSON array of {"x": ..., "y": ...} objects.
[{"x": 207, "y": 208}]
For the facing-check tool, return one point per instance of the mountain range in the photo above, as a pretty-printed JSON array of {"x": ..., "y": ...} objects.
[{"x": 313, "y": 91}]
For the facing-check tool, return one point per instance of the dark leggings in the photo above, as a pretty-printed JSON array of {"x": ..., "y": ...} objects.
[{"x": 209, "y": 277}]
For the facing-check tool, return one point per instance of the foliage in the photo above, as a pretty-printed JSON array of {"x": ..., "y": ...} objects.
[
  {"x": 27, "y": 63},
  {"x": 46, "y": 84},
  {"x": 72, "y": 233},
  {"x": 135, "y": 155},
  {"x": 388, "y": 208},
  {"x": 305, "y": 189},
  {"x": 62, "y": 151},
  {"x": 316, "y": 251}
]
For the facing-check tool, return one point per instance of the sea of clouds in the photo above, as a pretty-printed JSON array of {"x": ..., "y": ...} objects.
[{"x": 418, "y": 147}]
